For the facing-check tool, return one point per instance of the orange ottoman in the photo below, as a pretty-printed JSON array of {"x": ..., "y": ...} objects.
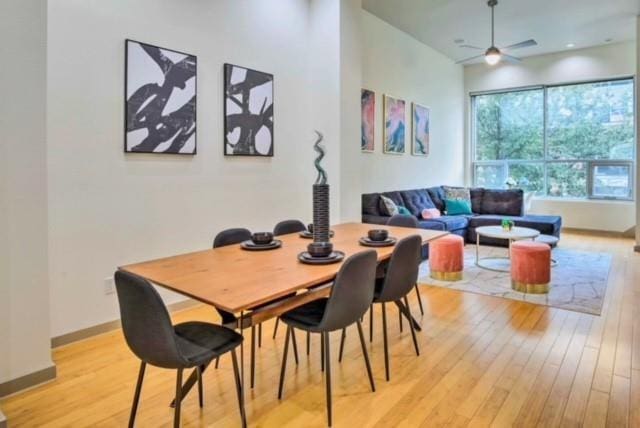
[
  {"x": 446, "y": 258},
  {"x": 530, "y": 267}
]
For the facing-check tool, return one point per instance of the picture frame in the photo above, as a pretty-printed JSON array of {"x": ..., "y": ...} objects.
[
  {"x": 367, "y": 120},
  {"x": 394, "y": 125},
  {"x": 160, "y": 100},
  {"x": 420, "y": 129}
]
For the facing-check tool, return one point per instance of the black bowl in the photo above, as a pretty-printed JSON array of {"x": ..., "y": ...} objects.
[
  {"x": 320, "y": 249},
  {"x": 262, "y": 238},
  {"x": 378, "y": 235}
]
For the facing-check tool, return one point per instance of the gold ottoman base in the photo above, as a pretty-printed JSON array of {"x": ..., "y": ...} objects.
[
  {"x": 446, "y": 276},
  {"x": 530, "y": 288}
]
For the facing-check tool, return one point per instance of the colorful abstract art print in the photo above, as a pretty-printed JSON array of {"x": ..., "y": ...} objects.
[
  {"x": 394, "y": 125},
  {"x": 367, "y": 124},
  {"x": 420, "y": 134}
]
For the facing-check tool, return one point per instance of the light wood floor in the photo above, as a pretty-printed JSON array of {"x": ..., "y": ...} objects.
[{"x": 484, "y": 361}]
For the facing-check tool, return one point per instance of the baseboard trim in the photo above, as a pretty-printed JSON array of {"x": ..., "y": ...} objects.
[
  {"x": 597, "y": 232},
  {"x": 109, "y": 326},
  {"x": 27, "y": 381}
]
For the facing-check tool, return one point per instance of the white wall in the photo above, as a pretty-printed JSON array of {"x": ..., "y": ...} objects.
[
  {"x": 24, "y": 294},
  {"x": 395, "y": 63},
  {"x": 107, "y": 208},
  {"x": 570, "y": 66}
]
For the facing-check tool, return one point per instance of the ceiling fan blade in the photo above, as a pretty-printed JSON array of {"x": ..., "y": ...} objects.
[
  {"x": 470, "y": 59},
  {"x": 511, "y": 59},
  {"x": 525, "y": 44},
  {"x": 471, "y": 47}
]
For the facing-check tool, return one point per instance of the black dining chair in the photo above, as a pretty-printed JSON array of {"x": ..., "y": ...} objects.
[
  {"x": 403, "y": 220},
  {"x": 231, "y": 237},
  {"x": 400, "y": 278},
  {"x": 152, "y": 338},
  {"x": 350, "y": 297}
]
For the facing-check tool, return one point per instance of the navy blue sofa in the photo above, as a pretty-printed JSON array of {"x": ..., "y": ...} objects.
[{"x": 489, "y": 207}]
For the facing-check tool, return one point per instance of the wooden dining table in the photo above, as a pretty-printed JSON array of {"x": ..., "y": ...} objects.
[{"x": 244, "y": 282}]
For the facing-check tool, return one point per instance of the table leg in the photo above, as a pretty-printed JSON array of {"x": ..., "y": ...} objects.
[
  {"x": 477, "y": 249},
  {"x": 244, "y": 421}
]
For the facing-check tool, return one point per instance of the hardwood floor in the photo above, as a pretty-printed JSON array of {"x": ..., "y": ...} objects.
[{"x": 484, "y": 361}]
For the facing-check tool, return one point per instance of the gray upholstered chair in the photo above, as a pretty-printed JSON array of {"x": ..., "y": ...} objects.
[
  {"x": 351, "y": 296},
  {"x": 403, "y": 220},
  {"x": 152, "y": 338},
  {"x": 289, "y": 226},
  {"x": 401, "y": 276}
]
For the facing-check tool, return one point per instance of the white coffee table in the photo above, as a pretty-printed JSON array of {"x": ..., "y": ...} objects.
[{"x": 515, "y": 234}]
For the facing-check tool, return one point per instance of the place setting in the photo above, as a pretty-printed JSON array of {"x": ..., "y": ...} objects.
[
  {"x": 261, "y": 241},
  {"x": 377, "y": 238}
]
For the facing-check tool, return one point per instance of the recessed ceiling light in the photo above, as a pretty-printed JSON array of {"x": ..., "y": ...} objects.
[
  {"x": 571, "y": 45},
  {"x": 608, "y": 40},
  {"x": 458, "y": 41}
]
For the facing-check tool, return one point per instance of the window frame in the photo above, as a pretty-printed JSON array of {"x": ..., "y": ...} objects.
[{"x": 546, "y": 160}]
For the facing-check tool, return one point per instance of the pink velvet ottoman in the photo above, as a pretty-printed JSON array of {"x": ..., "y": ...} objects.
[
  {"x": 530, "y": 267},
  {"x": 446, "y": 258}
]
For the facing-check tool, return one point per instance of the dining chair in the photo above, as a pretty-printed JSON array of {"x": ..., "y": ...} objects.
[
  {"x": 231, "y": 237},
  {"x": 403, "y": 220},
  {"x": 350, "y": 297},
  {"x": 400, "y": 278},
  {"x": 154, "y": 340}
]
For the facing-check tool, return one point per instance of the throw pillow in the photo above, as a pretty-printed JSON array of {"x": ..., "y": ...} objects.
[
  {"x": 458, "y": 207},
  {"x": 429, "y": 213},
  {"x": 389, "y": 206},
  {"x": 457, "y": 193},
  {"x": 403, "y": 210}
]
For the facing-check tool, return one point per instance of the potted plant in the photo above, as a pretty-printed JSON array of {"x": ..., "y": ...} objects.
[{"x": 507, "y": 225}]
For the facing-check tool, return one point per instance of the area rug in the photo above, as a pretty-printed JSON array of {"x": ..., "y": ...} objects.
[{"x": 578, "y": 281}]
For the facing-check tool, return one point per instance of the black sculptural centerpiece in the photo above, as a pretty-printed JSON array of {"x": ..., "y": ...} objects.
[{"x": 321, "y": 249}]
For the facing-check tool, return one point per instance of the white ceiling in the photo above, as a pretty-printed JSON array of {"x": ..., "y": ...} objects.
[{"x": 552, "y": 23}]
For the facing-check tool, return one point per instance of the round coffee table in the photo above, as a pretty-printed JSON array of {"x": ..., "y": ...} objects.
[{"x": 515, "y": 234}]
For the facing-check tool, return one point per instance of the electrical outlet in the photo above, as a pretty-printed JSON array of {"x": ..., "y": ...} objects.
[{"x": 109, "y": 286}]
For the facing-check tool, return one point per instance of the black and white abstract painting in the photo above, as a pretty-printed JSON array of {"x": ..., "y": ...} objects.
[
  {"x": 248, "y": 112},
  {"x": 161, "y": 100}
]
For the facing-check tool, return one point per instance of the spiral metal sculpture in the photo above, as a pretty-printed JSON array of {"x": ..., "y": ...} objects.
[{"x": 322, "y": 174}]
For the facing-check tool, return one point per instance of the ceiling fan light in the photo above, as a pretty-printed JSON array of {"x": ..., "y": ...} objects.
[{"x": 492, "y": 58}]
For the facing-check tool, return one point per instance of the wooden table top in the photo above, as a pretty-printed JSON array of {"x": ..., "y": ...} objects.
[{"x": 235, "y": 280}]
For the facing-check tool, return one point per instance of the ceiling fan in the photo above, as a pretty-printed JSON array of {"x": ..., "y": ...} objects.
[{"x": 493, "y": 55}]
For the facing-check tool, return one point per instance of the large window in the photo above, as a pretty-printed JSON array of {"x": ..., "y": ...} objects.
[{"x": 567, "y": 141}]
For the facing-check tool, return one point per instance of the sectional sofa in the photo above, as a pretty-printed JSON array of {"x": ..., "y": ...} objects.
[{"x": 489, "y": 207}]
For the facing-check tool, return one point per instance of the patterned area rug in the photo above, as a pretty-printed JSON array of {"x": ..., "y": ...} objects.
[{"x": 578, "y": 282}]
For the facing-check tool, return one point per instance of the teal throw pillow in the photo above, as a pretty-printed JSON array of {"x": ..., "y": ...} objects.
[
  {"x": 403, "y": 210},
  {"x": 457, "y": 207}
]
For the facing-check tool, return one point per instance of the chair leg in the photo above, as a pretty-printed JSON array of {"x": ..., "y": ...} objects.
[
  {"x": 366, "y": 356},
  {"x": 136, "y": 395},
  {"x": 176, "y": 415},
  {"x": 405, "y": 309},
  {"x": 370, "y": 323},
  {"x": 400, "y": 320},
  {"x": 200, "y": 389},
  {"x": 419, "y": 299},
  {"x": 236, "y": 375},
  {"x": 295, "y": 344},
  {"x": 260, "y": 335},
  {"x": 284, "y": 362},
  {"x": 321, "y": 352},
  {"x": 344, "y": 335},
  {"x": 308, "y": 342},
  {"x": 327, "y": 361},
  {"x": 217, "y": 362},
  {"x": 253, "y": 355},
  {"x": 275, "y": 329},
  {"x": 386, "y": 345}
]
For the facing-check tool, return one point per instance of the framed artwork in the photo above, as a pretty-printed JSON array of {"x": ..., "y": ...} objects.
[
  {"x": 160, "y": 94},
  {"x": 394, "y": 125},
  {"x": 248, "y": 112},
  {"x": 420, "y": 131},
  {"x": 367, "y": 120}
]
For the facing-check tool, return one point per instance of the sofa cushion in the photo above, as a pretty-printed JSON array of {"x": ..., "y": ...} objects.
[
  {"x": 502, "y": 202},
  {"x": 458, "y": 207},
  {"x": 417, "y": 200},
  {"x": 545, "y": 224},
  {"x": 395, "y": 196},
  {"x": 432, "y": 225},
  {"x": 371, "y": 203},
  {"x": 437, "y": 196},
  {"x": 453, "y": 222},
  {"x": 387, "y": 206},
  {"x": 477, "y": 194},
  {"x": 375, "y": 219}
]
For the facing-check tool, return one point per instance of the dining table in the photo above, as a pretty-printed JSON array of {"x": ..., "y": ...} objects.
[{"x": 244, "y": 282}]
